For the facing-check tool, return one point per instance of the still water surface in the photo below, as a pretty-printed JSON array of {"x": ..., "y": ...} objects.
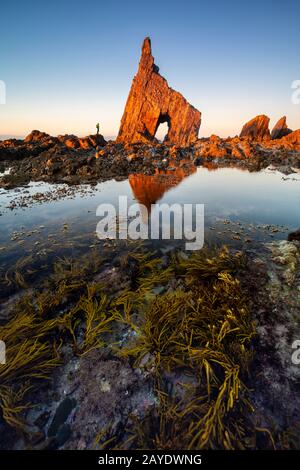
[{"x": 240, "y": 208}]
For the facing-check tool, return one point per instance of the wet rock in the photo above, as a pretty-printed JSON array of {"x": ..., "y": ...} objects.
[
  {"x": 61, "y": 415},
  {"x": 12, "y": 181},
  {"x": 276, "y": 312},
  {"x": 294, "y": 236},
  {"x": 286, "y": 254},
  {"x": 107, "y": 392},
  {"x": 63, "y": 435},
  {"x": 152, "y": 102},
  {"x": 42, "y": 419}
]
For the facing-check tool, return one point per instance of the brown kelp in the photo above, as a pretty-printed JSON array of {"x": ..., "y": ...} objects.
[
  {"x": 42, "y": 321},
  {"x": 201, "y": 330},
  {"x": 183, "y": 321}
]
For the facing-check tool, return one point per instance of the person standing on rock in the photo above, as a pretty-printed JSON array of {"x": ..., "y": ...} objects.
[{"x": 97, "y": 147}]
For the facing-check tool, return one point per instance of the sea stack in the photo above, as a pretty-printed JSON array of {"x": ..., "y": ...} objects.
[{"x": 151, "y": 102}]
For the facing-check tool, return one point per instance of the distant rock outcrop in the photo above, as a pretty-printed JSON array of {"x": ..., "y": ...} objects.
[
  {"x": 257, "y": 128},
  {"x": 69, "y": 140},
  {"x": 280, "y": 129},
  {"x": 151, "y": 102},
  {"x": 36, "y": 136}
]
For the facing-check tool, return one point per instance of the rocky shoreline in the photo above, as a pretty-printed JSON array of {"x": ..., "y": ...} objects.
[
  {"x": 109, "y": 384},
  {"x": 72, "y": 160}
]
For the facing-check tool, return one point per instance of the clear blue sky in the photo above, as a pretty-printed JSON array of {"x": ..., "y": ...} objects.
[{"x": 69, "y": 64}]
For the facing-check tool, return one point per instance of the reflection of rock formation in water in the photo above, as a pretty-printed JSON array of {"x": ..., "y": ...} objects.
[
  {"x": 148, "y": 190},
  {"x": 152, "y": 102}
]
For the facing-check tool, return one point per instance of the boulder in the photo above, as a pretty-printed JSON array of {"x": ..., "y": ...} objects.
[
  {"x": 86, "y": 143},
  {"x": 69, "y": 140},
  {"x": 92, "y": 141},
  {"x": 36, "y": 136}
]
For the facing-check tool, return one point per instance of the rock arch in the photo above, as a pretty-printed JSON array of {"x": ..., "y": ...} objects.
[{"x": 151, "y": 101}]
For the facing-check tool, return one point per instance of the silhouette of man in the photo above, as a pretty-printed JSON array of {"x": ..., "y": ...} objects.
[{"x": 98, "y": 128}]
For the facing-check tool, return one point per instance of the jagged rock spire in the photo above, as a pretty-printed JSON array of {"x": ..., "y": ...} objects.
[{"x": 151, "y": 102}]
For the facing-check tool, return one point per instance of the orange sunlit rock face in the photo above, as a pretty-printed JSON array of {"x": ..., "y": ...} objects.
[
  {"x": 148, "y": 190},
  {"x": 257, "y": 128},
  {"x": 292, "y": 138},
  {"x": 152, "y": 102},
  {"x": 71, "y": 141},
  {"x": 86, "y": 143}
]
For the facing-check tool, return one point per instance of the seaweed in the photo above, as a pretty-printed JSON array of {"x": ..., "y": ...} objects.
[
  {"x": 35, "y": 333},
  {"x": 202, "y": 329},
  {"x": 97, "y": 318},
  {"x": 188, "y": 326}
]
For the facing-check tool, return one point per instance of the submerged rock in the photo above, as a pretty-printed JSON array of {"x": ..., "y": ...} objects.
[
  {"x": 107, "y": 391},
  {"x": 63, "y": 411}
]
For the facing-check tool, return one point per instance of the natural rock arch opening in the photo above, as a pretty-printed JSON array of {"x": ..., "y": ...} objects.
[{"x": 162, "y": 128}]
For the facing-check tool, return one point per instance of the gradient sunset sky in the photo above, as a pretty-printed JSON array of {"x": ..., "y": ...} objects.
[{"x": 69, "y": 64}]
